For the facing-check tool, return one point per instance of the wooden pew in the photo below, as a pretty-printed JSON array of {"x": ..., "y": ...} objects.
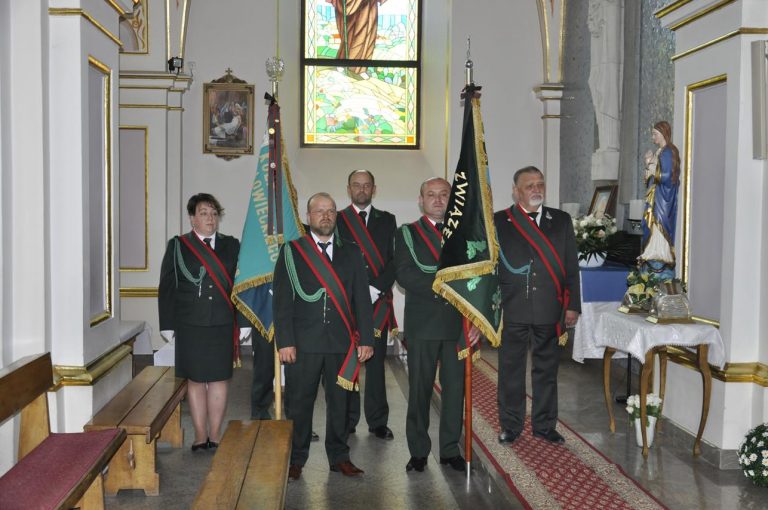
[
  {"x": 54, "y": 470},
  {"x": 250, "y": 468},
  {"x": 148, "y": 409}
]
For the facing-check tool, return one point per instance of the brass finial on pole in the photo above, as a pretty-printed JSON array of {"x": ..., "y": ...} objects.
[
  {"x": 468, "y": 66},
  {"x": 275, "y": 69}
]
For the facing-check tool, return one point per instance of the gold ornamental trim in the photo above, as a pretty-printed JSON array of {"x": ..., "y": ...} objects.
[
  {"x": 145, "y": 267},
  {"x": 686, "y": 163},
  {"x": 106, "y": 72},
  {"x": 549, "y": 86},
  {"x": 671, "y": 8},
  {"x": 754, "y": 372},
  {"x": 153, "y": 76},
  {"x": 70, "y": 375},
  {"x": 67, "y": 11},
  {"x": 705, "y": 320},
  {"x": 729, "y": 35},
  {"x": 151, "y": 106},
  {"x": 700, "y": 14},
  {"x": 138, "y": 292},
  {"x": 117, "y": 7},
  {"x": 145, "y": 87}
]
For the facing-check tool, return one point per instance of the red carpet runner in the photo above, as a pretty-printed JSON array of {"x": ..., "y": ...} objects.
[{"x": 543, "y": 475}]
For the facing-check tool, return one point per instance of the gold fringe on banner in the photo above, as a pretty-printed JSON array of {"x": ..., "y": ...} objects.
[{"x": 347, "y": 384}]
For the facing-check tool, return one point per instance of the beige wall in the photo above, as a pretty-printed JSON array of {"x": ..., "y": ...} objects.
[{"x": 507, "y": 72}]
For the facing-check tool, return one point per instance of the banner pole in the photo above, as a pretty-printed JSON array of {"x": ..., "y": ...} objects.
[
  {"x": 468, "y": 411},
  {"x": 278, "y": 384}
]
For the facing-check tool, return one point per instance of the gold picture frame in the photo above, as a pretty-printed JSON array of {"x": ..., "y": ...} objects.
[
  {"x": 228, "y": 117},
  {"x": 604, "y": 201}
]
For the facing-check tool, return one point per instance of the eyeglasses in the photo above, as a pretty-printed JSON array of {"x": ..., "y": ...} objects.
[{"x": 357, "y": 185}]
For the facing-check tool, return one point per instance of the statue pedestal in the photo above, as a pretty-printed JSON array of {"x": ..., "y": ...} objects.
[{"x": 605, "y": 165}]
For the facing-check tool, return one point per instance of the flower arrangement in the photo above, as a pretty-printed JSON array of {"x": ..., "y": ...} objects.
[
  {"x": 640, "y": 288},
  {"x": 753, "y": 455},
  {"x": 652, "y": 406},
  {"x": 592, "y": 234}
]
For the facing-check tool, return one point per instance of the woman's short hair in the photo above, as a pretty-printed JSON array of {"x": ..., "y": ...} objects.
[{"x": 203, "y": 198}]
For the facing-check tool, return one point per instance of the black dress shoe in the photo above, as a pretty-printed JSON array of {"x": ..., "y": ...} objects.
[
  {"x": 315, "y": 437},
  {"x": 416, "y": 463},
  {"x": 382, "y": 432},
  {"x": 552, "y": 436},
  {"x": 457, "y": 463},
  {"x": 508, "y": 437},
  {"x": 201, "y": 446}
]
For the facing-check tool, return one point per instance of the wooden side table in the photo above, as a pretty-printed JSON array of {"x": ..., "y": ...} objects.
[{"x": 702, "y": 352}]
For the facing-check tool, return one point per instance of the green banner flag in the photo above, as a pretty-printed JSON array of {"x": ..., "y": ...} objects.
[
  {"x": 467, "y": 275},
  {"x": 272, "y": 220}
]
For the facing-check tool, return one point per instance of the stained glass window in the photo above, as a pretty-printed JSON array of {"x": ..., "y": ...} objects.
[{"x": 360, "y": 79}]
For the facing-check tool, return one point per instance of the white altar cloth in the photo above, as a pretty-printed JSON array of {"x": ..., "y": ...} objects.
[{"x": 636, "y": 336}]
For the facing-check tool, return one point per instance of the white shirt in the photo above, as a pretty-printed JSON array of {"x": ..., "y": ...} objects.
[
  {"x": 537, "y": 219},
  {"x": 367, "y": 212},
  {"x": 329, "y": 249},
  {"x": 202, "y": 238}
]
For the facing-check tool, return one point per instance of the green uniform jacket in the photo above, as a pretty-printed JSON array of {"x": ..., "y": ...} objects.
[{"x": 427, "y": 315}]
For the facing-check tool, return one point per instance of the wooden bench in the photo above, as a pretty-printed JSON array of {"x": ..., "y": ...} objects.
[
  {"x": 148, "y": 409},
  {"x": 250, "y": 468},
  {"x": 54, "y": 470}
]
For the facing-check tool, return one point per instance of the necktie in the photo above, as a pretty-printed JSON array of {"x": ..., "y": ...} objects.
[
  {"x": 207, "y": 241},
  {"x": 363, "y": 215},
  {"x": 439, "y": 226},
  {"x": 324, "y": 247},
  {"x": 533, "y": 216}
]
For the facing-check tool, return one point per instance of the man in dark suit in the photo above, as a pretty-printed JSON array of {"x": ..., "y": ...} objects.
[
  {"x": 540, "y": 294},
  {"x": 323, "y": 328},
  {"x": 432, "y": 327},
  {"x": 373, "y": 231}
]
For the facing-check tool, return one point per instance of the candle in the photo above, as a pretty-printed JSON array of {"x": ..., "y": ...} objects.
[{"x": 636, "y": 209}]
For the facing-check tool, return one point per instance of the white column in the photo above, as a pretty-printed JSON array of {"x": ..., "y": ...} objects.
[{"x": 550, "y": 96}]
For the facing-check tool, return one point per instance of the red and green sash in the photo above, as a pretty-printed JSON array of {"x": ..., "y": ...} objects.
[
  {"x": 383, "y": 310},
  {"x": 221, "y": 279},
  {"x": 549, "y": 257},
  {"x": 433, "y": 239},
  {"x": 329, "y": 280}
]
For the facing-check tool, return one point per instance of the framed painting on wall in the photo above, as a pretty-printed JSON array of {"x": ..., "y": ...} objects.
[
  {"x": 604, "y": 201},
  {"x": 228, "y": 117}
]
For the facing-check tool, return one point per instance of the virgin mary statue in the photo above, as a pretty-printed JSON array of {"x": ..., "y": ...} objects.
[{"x": 662, "y": 177}]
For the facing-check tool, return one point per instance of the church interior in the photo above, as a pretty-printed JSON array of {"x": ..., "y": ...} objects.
[{"x": 102, "y": 142}]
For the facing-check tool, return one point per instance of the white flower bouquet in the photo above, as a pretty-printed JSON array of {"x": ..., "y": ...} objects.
[
  {"x": 592, "y": 234},
  {"x": 652, "y": 406},
  {"x": 753, "y": 455}
]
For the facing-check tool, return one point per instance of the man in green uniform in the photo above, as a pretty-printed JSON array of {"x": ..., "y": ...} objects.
[{"x": 432, "y": 328}]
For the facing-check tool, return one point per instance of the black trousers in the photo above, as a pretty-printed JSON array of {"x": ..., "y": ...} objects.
[
  {"x": 545, "y": 358},
  {"x": 262, "y": 385},
  {"x": 376, "y": 406},
  {"x": 423, "y": 357},
  {"x": 301, "y": 382}
]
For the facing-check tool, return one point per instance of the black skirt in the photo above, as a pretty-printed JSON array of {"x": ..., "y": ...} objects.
[{"x": 204, "y": 354}]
